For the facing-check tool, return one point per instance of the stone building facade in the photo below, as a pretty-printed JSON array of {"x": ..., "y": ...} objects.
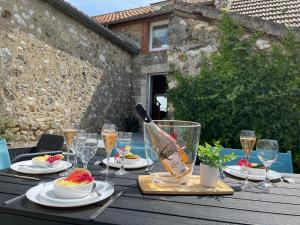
[
  {"x": 55, "y": 69},
  {"x": 57, "y": 65},
  {"x": 192, "y": 34}
]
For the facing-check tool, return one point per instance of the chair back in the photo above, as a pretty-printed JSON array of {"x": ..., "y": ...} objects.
[
  {"x": 283, "y": 164},
  {"x": 4, "y": 155},
  {"x": 50, "y": 142}
]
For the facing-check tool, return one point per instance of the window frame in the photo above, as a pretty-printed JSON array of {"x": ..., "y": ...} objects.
[{"x": 154, "y": 24}]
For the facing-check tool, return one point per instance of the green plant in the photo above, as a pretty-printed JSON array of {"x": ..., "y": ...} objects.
[
  {"x": 211, "y": 155},
  {"x": 241, "y": 87}
]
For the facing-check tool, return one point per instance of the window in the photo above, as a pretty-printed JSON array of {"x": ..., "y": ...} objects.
[{"x": 159, "y": 36}]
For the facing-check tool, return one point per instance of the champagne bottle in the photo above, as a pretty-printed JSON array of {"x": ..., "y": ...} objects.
[{"x": 169, "y": 152}]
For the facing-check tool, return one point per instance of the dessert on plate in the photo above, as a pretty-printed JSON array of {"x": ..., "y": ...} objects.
[
  {"x": 253, "y": 168},
  {"x": 47, "y": 160},
  {"x": 130, "y": 158},
  {"x": 78, "y": 184}
]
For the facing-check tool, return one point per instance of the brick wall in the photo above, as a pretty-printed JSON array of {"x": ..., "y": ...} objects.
[
  {"x": 138, "y": 30},
  {"x": 145, "y": 37}
]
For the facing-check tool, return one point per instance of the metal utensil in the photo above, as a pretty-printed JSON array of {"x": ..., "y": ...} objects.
[
  {"x": 105, "y": 206},
  {"x": 148, "y": 168},
  {"x": 288, "y": 180},
  {"x": 94, "y": 189},
  {"x": 19, "y": 176},
  {"x": 12, "y": 200},
  {"x": 98, "y": 162},
  {"x": 222, "y": 175}
]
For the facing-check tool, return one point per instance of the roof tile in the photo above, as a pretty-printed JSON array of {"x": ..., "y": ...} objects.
[
  {"x": 120, "y": 15},
  {"x": 280, "y": 11}
]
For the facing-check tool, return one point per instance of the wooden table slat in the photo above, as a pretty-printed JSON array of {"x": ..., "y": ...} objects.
[{"x": 280, "y": 206}]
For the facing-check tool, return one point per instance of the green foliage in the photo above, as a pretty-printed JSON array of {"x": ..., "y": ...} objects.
[
  {"x": 211, "y": 155},
  {"x": 240, "y": 87}
]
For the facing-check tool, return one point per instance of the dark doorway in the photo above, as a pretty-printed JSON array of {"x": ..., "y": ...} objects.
[{"x": 158, "y": 96}]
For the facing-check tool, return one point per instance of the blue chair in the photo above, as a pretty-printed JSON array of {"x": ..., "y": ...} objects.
[
  {"x": 283, "y": 164},
  {"x": 4, "y": 155}
]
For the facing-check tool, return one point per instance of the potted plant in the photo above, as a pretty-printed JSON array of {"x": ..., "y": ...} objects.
[{"x": 211, "y": 161}]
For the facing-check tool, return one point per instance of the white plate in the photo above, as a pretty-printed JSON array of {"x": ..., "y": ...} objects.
[
  {"x": 42, "y": 194},
  {"x": 29, "y": 168},
  {"x": 142, "y": 163},
  {"x": 254, "y": 174}
]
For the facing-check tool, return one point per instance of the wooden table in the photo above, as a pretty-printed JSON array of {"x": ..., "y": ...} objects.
[{"x": 280, "y": 206}]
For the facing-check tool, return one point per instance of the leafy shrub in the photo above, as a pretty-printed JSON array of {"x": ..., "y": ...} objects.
[{"x": 241, "y": 87}]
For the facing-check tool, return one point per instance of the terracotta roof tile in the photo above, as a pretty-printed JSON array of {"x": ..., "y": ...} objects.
[
  {"x": 132, "y": 13},
  {"x": 120, "y": 15},
  {"x": 280, "y": 11}
]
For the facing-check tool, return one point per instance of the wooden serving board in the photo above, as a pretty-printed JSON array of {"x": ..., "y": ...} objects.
[{"x": 192, "y": 188}]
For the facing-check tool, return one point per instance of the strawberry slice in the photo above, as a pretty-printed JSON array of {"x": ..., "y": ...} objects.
[
  {"x": 53, "y": 158},
  {"x": 80, "y": 176},
  {"x": 244, "y": 162}
]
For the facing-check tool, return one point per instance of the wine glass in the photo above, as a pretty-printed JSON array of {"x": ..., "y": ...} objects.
[
  {"x": 109, "y": 136},
  {"x": 267, "y": 152},
  {"x": 78, "y": 142},
  {"x": 123, "y": 146},
  {"x": 88, "y": 150},
  {"x": 69, "y": 133},
  {"x": 248, "y": 139}
]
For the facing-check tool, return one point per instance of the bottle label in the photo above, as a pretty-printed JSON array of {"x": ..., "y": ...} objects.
[{"x": 176, "y": 164}]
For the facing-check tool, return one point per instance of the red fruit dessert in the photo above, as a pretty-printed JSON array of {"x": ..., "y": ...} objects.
[
  {"x": 130, "y": 158},
  {"x": 77, "y": 185},
  {"x": 244, "y": 162},
  {"x": 47, "y": 160},
  {"x": 79, "y": 176}
]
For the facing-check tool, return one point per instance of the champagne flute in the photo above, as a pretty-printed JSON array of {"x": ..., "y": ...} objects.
[
  {"x": 69, "y": 133},
  {"x": 267, "y": 152},
  {"x": 123, "y": 146},
  {"x": 88, "y": 150},
  {"x": 248, "y": 139},
  {"x": 109, "y": 136}
]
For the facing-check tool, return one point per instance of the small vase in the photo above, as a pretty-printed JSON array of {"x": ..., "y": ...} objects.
[{"x": 208, "y": 176}]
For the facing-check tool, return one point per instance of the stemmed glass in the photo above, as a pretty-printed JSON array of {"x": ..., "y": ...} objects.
[
  {"x": 267, "y": 152},
  {"x": 88, "y": 150},
  {"x": 123, "y": 146},
  {"x": 248, "y": 139},
  {"x": 78, "y": 142},
  {"x": 69, "y": 133},
  {"x": 109, "y": 136}
]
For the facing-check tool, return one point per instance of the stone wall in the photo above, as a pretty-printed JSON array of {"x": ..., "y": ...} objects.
[
  {"x": 189, "y": 40},
  {"x": 55, "y": 69},
  {"x": 145, "y": 65},
  {"x": 193, "y": 34}
]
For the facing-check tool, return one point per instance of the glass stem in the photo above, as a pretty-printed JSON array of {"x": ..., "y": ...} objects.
[
  {"x": 267, "y": 175},
  {"x": 122, "y": 162},
  {"x": 68, "y": 159},
  {"x": 75, "y": 161},
  {"x": 107, "y": 168},
  {"x": 246, "y": 169},
  {"x": 85, "y": 164}
]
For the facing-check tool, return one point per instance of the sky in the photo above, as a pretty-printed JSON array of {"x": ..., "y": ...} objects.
[{"x": 97, "y": 7}]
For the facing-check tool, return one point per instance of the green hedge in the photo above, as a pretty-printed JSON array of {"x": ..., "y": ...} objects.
[{"x": 241, "y": 87}]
